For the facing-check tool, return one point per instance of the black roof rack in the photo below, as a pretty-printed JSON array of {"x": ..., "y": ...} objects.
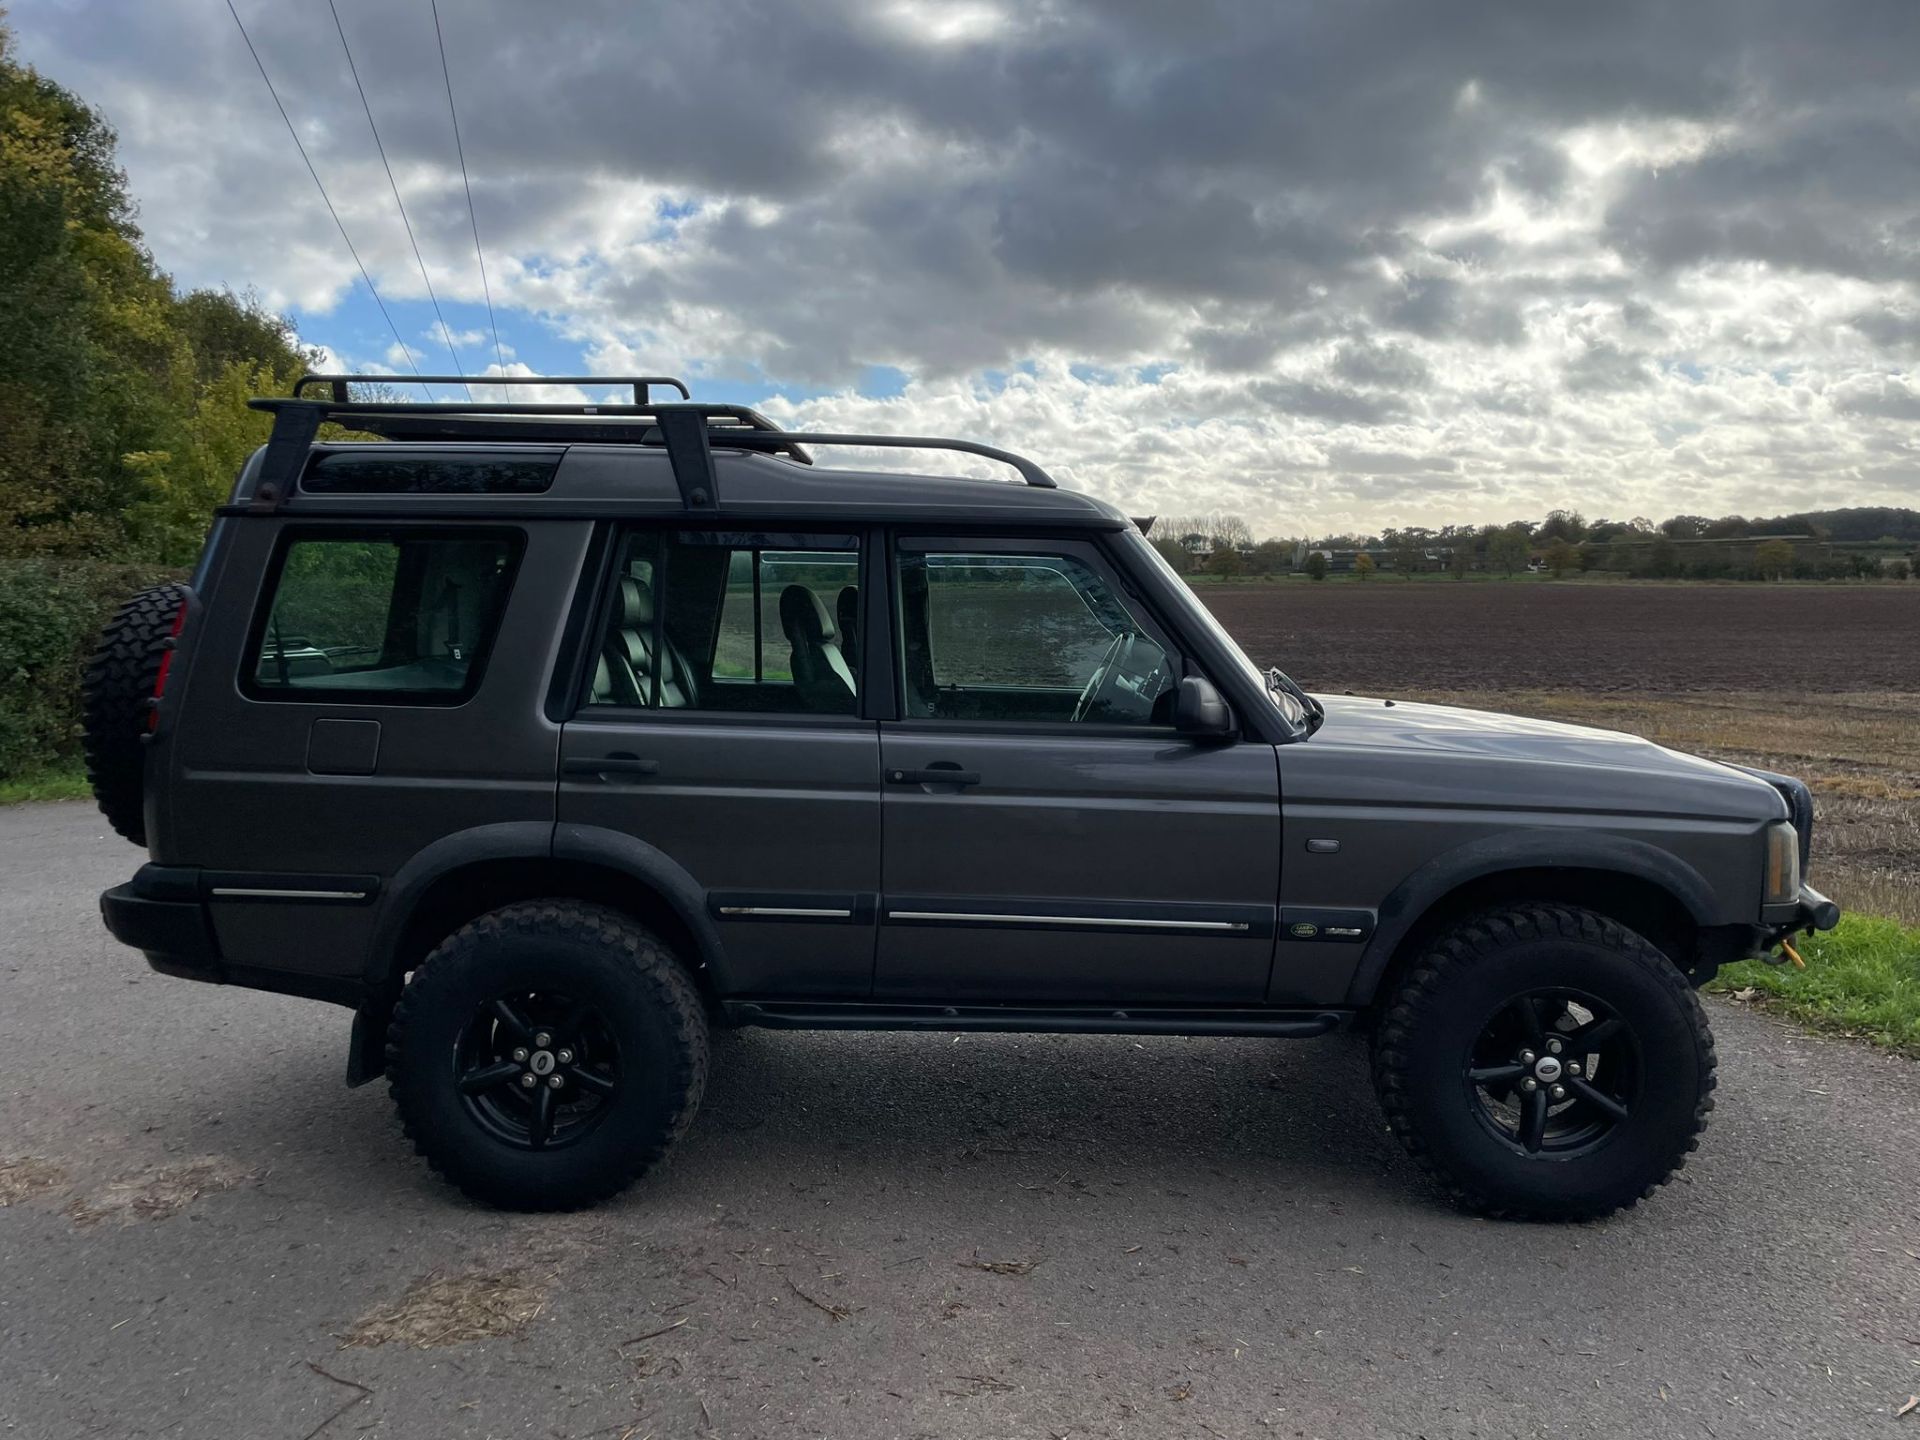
[
  {"x": 642, "y": 385},
  {"x": 687, "y": 429}
]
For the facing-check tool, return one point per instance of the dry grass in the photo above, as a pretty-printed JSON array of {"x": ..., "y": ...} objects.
[
  {"x": 1859, "y": 752},
  {"x": 27, "y": 1175},
  {"x": 158, "y": 1192},
  {"x": 450, "y": 1310}
]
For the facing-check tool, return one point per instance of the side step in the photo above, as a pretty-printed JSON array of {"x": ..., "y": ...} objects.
[{"x": 1044, "y": 1019}]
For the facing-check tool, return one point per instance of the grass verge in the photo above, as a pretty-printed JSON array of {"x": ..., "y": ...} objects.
[
  {"x": 61, "y": 782},
  {"x": 1862, "y": 979}
]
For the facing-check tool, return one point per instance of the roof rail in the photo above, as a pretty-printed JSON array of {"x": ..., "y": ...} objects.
[
  {"x": 688, "y": 430},
  {"x": 642, "y": 385},
  {"x": 1029, "y": 472}
]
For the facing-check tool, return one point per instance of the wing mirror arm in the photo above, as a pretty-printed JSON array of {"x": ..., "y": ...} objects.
[{"x": 1200, "y": 713}]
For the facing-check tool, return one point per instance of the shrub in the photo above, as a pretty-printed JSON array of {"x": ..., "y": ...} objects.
[
  {"x": 1175, "y": 554},
  {"x": 50, "y": 614},
  {"x": 1663, "y": 560},
  {"x": 1774, "y": 559},
  {"x": 1507, "y": 549}
]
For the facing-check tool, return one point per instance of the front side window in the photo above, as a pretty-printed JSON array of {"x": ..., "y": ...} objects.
[
  {"x": 385, "y": 618},
  {"x": 1040, "y": 637},
  {"x": 753, "y": 623}
]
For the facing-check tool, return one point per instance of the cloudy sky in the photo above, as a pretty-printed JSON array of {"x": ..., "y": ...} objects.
[{"x": 1332, "y": 265}]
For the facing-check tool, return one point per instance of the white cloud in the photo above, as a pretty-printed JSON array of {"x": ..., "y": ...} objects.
[{"x": 1342, "y": 267}]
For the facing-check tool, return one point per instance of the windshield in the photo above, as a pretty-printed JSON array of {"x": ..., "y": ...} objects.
[{"x": 1292, "y": 702}]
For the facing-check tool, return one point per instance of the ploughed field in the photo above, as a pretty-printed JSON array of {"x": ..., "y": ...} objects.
[
  {"x": 1815, "y": 680},
  {"x": 1537, "y": 635}
]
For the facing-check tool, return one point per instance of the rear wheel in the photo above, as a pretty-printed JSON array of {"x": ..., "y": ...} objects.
[
  {"x": 116, "y": 703},
  {"x": 1545, "y": 1062},
  {"x": 547, "y": 1054}
]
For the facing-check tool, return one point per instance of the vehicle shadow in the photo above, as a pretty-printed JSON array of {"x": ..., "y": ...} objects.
[
  {"x": 875, "y": 1114},
  {"x": 1005, "y": 1109}
]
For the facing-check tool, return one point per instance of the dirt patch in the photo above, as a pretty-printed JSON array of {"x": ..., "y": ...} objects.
[
  {"x": 158, "y": 1192},
  {"x": 27, "y": 1175},
  {"x": 450, "y": 1310}
]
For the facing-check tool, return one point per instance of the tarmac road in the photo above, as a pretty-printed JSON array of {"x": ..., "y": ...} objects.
[{"x": 1205, "y": 1238}]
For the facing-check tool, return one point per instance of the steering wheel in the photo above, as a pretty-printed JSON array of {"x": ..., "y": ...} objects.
[{"x": 1104, "y": 675}]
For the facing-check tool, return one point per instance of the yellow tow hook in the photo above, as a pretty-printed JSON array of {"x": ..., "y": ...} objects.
[{"x": 1786, "y": 947}]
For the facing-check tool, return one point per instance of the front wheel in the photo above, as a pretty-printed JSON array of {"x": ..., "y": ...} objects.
[
  {"x": 547, "y": 1054},
  {"x": 1544, "y": 1062}
]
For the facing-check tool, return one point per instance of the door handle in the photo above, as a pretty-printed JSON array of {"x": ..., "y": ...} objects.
[
  {"x": 608, "y": 765},
  {"x": 941, "y": 772}
]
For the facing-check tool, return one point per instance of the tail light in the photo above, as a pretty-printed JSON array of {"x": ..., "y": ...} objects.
[{"x": 167, "y": 648}]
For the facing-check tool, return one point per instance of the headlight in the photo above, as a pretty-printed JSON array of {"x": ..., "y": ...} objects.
[{"x": 1783, "y": 864}]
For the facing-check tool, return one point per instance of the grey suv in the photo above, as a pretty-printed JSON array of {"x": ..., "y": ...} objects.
[{"x": 546, "y": 737}]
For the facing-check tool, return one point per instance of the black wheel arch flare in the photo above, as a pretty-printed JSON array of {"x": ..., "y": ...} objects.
[
  {"x": 420, "y": 891},
  {"x": 1416, "y": 897}
]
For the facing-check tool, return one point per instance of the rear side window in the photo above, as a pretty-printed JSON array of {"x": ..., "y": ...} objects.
[
  {"x": 754, "y": 644},
  {"x": 353, "y": 473},
  {"x": 749, "y": 623},
  {"x": 381, "y": 617}
]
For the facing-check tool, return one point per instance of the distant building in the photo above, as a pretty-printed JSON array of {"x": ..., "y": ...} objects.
[{"x": 1341, "y": 561}]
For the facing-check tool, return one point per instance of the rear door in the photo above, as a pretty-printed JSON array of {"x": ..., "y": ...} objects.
[
  {"x": 720, "y": 723},
  {"x": 357, "y": 692},
  {"x": 1049, "y": 836}
]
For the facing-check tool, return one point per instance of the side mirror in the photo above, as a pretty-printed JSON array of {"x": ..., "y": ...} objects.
[{"x": 1199, "y": 712}]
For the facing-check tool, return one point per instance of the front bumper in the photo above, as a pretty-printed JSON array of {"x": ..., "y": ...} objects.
[{"x": 1810, "y": 911}]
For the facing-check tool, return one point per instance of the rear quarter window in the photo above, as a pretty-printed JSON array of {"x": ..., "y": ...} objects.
[
  {"x": 352, "y": 473},
  {"x": 385, "y": 617}
]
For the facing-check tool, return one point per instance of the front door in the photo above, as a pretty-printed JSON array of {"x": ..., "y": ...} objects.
[
  {"x": 1048, "y": 835},
  {"x": 720, "y": 725}
]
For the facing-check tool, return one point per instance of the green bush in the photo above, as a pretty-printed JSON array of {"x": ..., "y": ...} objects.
[{"x": 50, "y": 615}]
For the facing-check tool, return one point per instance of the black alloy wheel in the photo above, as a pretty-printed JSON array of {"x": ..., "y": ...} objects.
[
  {"x": 1544, "y": 1062},
  {"x": 1554, "y": 1072},
  {"x": 547, "y": 1054},
  {"x": 538, "y": 1070}
]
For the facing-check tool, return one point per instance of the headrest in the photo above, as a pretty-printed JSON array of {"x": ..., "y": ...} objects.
[
  {"x": 846, "y": 608},
  {"x": 636, "y": 604},
  {"x": 803, "y": 617},
  {"x": 633, "y": 647}
]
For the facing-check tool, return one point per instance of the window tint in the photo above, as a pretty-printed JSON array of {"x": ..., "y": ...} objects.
[
  {"x": 390, "y": 618},
  {"x": 755, "y": 623},
  {"x": 1039, "y": 637}
]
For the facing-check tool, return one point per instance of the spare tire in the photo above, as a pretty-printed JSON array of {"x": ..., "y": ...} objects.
[{"x": 116, "y": 702}]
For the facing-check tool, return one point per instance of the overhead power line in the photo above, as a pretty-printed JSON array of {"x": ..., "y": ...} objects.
[
  {"x": 405, "y": 349},
  {"x": 458, "y": 149},
  {"x": 459, "y": 367}
]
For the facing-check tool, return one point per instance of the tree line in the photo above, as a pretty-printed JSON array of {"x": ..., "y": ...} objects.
[
  {"x": 1822, "y": 544},
  {"x": 123, "y": 415},
  {"x": 122, "y": 399}
]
